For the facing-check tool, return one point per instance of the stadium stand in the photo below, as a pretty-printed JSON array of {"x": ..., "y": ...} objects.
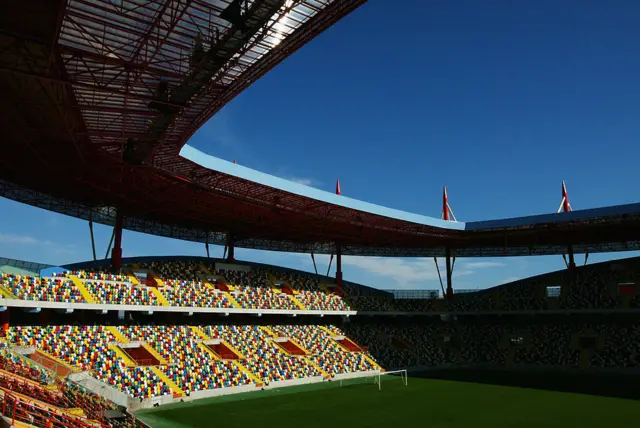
[
  {"x": 123, "y": 293},
  {"x": 42, "y": 289},
  {"x": 189, "y": 358},
  {"x": 32, "y": 395},
  {"x": 190, "y": 283},
  {"x": 255, "y": 290}
]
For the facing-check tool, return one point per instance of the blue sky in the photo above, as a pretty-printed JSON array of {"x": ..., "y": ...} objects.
[{"x": 499, "y": 100}]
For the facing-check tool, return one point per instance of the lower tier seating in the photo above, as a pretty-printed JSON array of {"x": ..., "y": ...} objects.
[
  {"x": 186, "y": 359},
  {"x": 86, "y": 347},
  {"x": 30, "y": 394}
]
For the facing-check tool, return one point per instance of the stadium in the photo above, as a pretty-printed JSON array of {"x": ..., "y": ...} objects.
[{"x": 99, "y": 100}]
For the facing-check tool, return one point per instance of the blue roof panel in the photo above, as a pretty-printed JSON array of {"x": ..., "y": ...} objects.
[
  {"x": 217, "y": 164},
  {"x": 243, "y": 172},
  {"x": 578, "y": 215}
]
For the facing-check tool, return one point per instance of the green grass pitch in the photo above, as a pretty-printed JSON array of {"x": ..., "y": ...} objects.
[{"x": 424, "y": 403}]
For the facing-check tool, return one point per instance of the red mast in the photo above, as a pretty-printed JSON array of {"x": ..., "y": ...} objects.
[
  {"x": 338, "y": 252},
  {"x": 445, "y": 204},
  {"x": 565, "y": 198},
  {"x": 565, "y": 206},
  {"x": 447, "y": 215}
]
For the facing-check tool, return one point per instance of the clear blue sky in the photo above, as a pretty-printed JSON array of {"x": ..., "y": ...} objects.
[{"x": 499, "y": 100}]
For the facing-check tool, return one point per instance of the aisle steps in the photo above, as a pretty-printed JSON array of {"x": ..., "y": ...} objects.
[
  {"x": 177, "y": 392},
  {"x": 120, "y": 338},
  {"x": 83, "y": 290}
]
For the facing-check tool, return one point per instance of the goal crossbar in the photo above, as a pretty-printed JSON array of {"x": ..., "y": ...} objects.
[{"x": 402, "y": 374}]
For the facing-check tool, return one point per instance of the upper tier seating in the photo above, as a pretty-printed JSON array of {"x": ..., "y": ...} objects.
[
  {"x": 120, "y": 293},
  {"x": 100, "y": 275},
  {"x": 196, "y": 294},
  {"x": 253, "y": 291},
  {"x": 592, "y": 290},
  {"x": 309, "y": 292},
  {"x": 42, "y": 289},
  {"x": 187, "y": 270},
  {"x": 589, "y": 287}
]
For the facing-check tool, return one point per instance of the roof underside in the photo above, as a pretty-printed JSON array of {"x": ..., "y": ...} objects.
[{"x": 99, "y": 97}]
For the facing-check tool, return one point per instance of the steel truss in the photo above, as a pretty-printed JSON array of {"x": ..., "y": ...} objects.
[
  {"x": 107, "y": 216},
  {"x": 82, "y": 79}
]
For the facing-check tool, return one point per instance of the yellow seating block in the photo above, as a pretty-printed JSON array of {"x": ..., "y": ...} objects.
[
  {"x": 6, "y": 293},
  {"x": 171, "y": 384},
  {"x": 198, "y": 331},
  {"x": 232, "y": 299},
  {"x": 128, "y": 362},
  {"x": 83, "y": 290},
  {"x": 298, "y": 303},
  {"x": 208, "y": 350},
  {"x": 132, "y": 277},
  {"x": 154, "y": 353},
  {"x": 118, "y": 335},
  {"x": 155, "y": 276},
  {"x": 373, "y": 363},
  {"x": 161, "y": 299},
  {"x": 252, "y": 376},
  {"x": 268, "y": 331},
  {"x": 205, "y": 269},
  {"x": 234, "y": 350},
  {"x": 311, "y": 363},
  {"x": 326, "y": 330}
]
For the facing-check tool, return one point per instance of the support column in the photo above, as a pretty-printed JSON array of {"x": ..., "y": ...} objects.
[
  {"x": 313, "y": 259},
  {"x": 572, "y": 260},
  {"x": 338, "y": 266},
  {"x": 449, "y": 274},
  {"x": 231, "y": 254},
  {"x": 566, "y": 207},
  {"x": 93, "y": 241},
  {"x": 447, "y": 214},
  {"x": 116, "y": 253}
]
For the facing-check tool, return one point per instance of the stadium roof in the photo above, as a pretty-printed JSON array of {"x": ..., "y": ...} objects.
[{"x": 99, "y": 99}]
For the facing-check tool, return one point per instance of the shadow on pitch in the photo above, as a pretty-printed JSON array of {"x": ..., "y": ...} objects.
[{"x": 618, "y": 386}]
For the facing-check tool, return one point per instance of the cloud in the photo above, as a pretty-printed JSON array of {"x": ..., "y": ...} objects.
[
  {"x": 402, "y": 273},
  {"x": 18, "y": 239},
  {"x": 303, "y": 180},
  {"x": 50, "y": 246},
  {"x": 483, "y": 265},
  {"x": 400, "y": 270}
]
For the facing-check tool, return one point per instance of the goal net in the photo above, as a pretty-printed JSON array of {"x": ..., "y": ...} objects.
[
  {"x": 377, "y": 380},
  {"x": 394, "y": 377}
]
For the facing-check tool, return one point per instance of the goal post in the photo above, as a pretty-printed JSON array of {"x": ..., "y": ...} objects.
[
  {"x": 397, "y": 375},
  {"x": 375, "y": 379}
]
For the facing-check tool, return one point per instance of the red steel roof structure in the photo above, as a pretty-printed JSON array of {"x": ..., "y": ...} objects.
[{"x": 99, "y": 98}]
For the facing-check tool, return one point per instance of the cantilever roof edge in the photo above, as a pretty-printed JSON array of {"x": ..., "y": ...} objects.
[
  {"x": 217, "y": 164},
  {"x": 534, "y": 220}
]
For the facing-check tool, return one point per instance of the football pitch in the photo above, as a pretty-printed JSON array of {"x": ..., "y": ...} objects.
[{"x": 424, "y": 403}]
